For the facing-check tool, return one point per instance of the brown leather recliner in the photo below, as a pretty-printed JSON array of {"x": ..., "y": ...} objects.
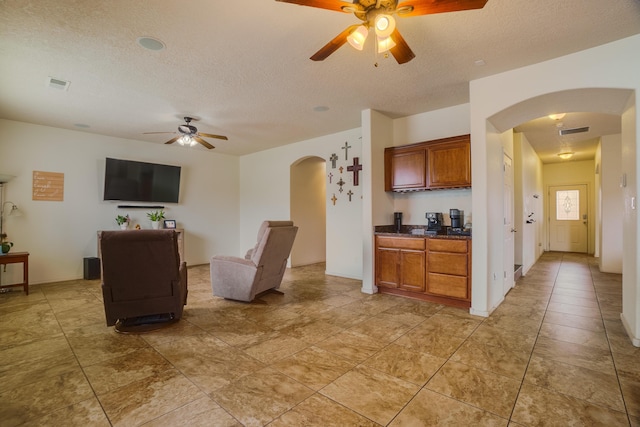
[
  {"x": 141, "y": 274},
  {"x": 262, "y": 267}
]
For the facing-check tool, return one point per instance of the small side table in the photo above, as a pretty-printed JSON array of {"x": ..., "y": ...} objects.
[{"x": 17, "y": 257}]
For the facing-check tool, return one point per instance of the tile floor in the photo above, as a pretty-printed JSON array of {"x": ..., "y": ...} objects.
[{"x": 553, "y": 354}]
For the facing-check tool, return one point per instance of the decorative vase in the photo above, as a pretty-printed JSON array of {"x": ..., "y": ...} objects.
[
  {"x": 5, "y": 247},
  {"x": 155, "y": 225},
  {"x": 124, "y": 226}
]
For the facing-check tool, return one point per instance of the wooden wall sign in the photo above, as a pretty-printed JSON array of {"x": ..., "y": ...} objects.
[{"x": 48, "y": 186}]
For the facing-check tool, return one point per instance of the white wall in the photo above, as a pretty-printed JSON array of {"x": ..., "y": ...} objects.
[
  {"x": 265, "y": 189},
  {"x": 610, "y": 260},
  {"x": 309, "y": 211},
  {"x": 615, "y": 65},
  {"x": 571, "y": 173},
  {"x": 528, "y": 207},
  {"x": 58, "y": 235}
]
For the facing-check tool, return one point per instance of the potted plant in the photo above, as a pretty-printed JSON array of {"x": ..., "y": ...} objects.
[
  {"x": 5, "y": 246},
  {"x": 155, "y": 217},
  {"x": 123, "y": 221}
]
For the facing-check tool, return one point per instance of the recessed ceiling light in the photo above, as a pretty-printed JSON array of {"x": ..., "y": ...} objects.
[
  {"x": 150, "y": 43},
  {"x": 566, "y": 155},
  {"x": 558, "y": 116},
  {"x": 320, "y": 108}
]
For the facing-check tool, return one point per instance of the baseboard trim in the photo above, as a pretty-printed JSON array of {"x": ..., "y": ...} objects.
[{"x": 634, "y": 340}]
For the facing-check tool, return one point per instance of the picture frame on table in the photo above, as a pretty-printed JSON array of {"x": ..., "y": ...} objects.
[{"x": 170, "y": 223}]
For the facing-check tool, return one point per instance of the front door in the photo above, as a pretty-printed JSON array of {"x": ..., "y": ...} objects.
[{"x": 568, "y": 218}]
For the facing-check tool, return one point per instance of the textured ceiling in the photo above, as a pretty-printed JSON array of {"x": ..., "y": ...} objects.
[{"x": 243, "y": 70}]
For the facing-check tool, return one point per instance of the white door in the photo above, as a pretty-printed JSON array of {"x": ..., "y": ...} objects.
[
  {"x": 508, "y": 229},
  {"x": 568, "y": 218}
]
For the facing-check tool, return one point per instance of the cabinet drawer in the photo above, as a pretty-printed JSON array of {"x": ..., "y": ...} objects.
[
  {"x": 445, "y": 285},
  {"x": 445, "y": 263},
  {"x": 444, "y": 245},
  {"x": 401, "y": 243}
]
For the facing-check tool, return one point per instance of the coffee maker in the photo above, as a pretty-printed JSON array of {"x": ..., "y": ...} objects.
[
  {"x": 434, "y": 222},
  {"x": 397, "y": 221},
  {"x": 457, "y": 218}
]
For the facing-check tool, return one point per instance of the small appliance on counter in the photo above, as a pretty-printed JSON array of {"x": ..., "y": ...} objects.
[
  {"x": 457, "y": 220},
  {"x": 434, "y": 222},
  {"x": 397, "y": 221}
]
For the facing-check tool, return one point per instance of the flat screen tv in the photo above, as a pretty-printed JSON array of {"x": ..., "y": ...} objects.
[{"x": 132, "y": 181}]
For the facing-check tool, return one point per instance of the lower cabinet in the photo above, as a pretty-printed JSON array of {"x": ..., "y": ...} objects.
[
  {"x": 400, "y": 263},
  {"x": 432, "y": 269}
]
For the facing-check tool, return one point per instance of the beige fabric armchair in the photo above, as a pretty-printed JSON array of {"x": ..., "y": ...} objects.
[{"x": 262, "y": 267}]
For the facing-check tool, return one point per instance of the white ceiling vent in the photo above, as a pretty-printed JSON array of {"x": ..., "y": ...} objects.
[
  {"x": 564, "y": 132},
  {"x": 57, "y": 83}
]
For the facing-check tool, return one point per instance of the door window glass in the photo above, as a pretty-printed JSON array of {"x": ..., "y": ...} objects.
[{"x": 567, "y": 203}]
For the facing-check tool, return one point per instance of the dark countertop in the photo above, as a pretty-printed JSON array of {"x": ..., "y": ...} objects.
[{"x": 416, "y": 231}]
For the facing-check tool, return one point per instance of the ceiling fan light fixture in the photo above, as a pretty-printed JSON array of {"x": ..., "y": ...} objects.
[
  {"x": 566, "y": 155},
  {"x": 384, "y": 25},
  {"x": 558, "y": 116},
  {"x": 384, "y": 44},
  {"x": 186, "y": 141},
  {"x": 358, "y": 37}
]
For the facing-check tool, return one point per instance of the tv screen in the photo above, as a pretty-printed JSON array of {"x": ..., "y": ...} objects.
[{"x": 141, "y": 182}]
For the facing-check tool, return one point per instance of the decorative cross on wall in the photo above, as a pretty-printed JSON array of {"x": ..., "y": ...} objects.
[
  {"x": 346, "y": 150},
  {"x": 350, "y": 193},
  {"x": 356, "y": 168},
  {"x": 330, "y": 176},
  {"x": 340, "y": 183},
  {"x": 333, "y": 159},
  {"x": 340, "y": 169},
  {"x": 334, "y": 198}
]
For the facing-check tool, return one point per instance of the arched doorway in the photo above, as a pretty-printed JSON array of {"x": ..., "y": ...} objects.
[{"x": 308, "y": 210}]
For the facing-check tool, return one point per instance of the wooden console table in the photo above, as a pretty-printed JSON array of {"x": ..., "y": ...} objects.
[{"x": 17, "y": 257}]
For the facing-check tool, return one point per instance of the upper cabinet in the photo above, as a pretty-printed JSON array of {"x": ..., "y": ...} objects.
[{"x": 430, "y": 165}]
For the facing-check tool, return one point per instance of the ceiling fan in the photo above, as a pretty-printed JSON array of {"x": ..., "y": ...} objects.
[
  {"x": 378, "y": 14},
  {"x": 189, "y": 135}
]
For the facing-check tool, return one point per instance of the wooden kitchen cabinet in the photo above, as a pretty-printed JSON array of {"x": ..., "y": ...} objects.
[
  {"x": 450, "y": 163},
  {"x": 400, "y": 262},
  {"x": 449, "y": 268},
  {"x": 430, "y": 269},
  {"x": 430, "y": 165},
  {"x": 405, "y": 168}
]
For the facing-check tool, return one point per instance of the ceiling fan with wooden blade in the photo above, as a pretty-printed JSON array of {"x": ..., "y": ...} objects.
[
  {"x": 189, "y": 135},
  {"x": 378, "y": 15}
]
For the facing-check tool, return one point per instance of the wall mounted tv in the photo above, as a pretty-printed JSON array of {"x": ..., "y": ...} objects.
[{"x": 132, "y": 181}]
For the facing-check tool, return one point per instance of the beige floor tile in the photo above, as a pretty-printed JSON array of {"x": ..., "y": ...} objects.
[
  {"x": 351, "y": 346},
  {"x": 274, "y": 346},
  {"x": 311, "y": 331},
  {"x": 320, "y": 411},
  {"x": 385, "y": 395},
  {"x": 499, "y": 360},
  {"x": 631, "y": 395},
  {"x": 114, "y": 373},
  {"x": 81, "y": 414},
  {"x": 482, "y": 389},
  {"x": 208, "y": 362},
  {"x": 574, "y": 321},
  {"x": 148, "y": 398},
  {"x": 504, "y": 338},
  {"x": 96, "y": 343},
  {"x": 259, "y": 398},
  {"x": 314, "y": 367},
  {"x": 433, "y": 409},
  {"x": 575, "y": 335},
  {"x": 29, "y": 402},
  {"x": 538, "y": 406},
  {"x": 28, "y": 363},
  {"x": 428, "y": 338},
  {"x": 203, "y": 412},
  {"x": 381, "y": 329},
  {"x": 593, "y": 386},
  {"x": 406, "y": 364},
  {"x": 574, "y": 354}
]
